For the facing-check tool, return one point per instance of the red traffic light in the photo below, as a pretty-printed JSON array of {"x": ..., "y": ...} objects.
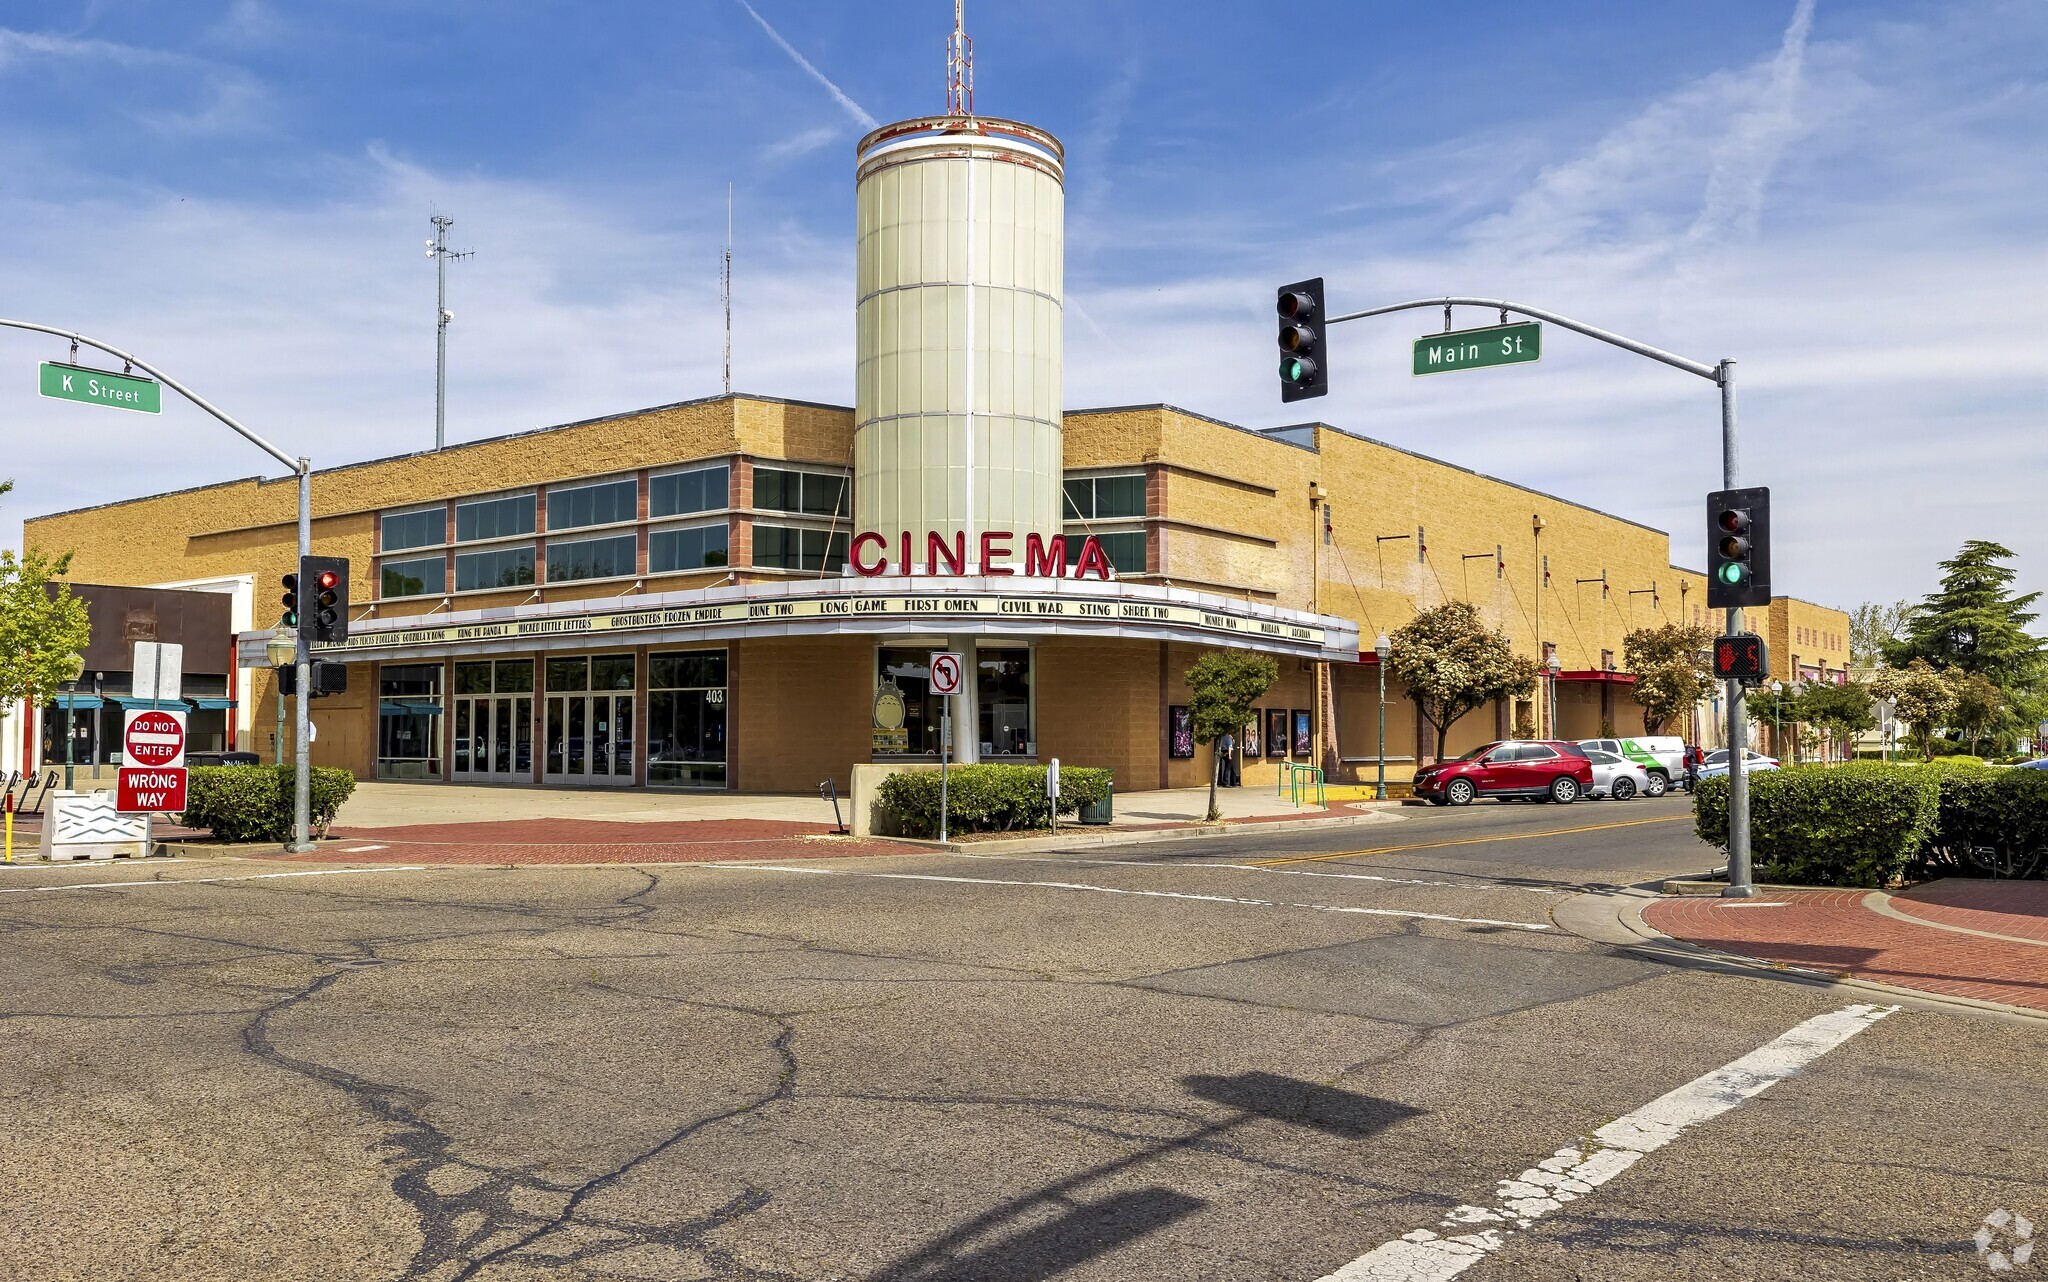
[
  {"x": 329, "y": 578},
  {"x": 1735, "y": 520}
]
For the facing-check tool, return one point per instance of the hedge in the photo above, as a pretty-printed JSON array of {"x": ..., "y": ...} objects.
[
  {"x": 987, "y": 798},
  {"x": 1857, "y": 824},
  {"x": 1994, "y": 823},
  {"x": 254, "y": 803}
]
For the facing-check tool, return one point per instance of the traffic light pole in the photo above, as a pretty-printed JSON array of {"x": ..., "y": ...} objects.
[
  {"x": 1723, "y": 376},
  {"x": 302, "y": 782}
]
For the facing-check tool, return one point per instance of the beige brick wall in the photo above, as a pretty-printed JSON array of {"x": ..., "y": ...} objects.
[
  {"x": 1812, "y": 636},
  {"x": 803, "y": 708}
]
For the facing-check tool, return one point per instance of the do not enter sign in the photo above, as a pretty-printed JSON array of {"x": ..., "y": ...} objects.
[{"x": 153, "y": 739}]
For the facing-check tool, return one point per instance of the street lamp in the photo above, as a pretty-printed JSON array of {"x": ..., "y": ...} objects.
[
  {"x": 1385, "y": 650},
  {"x": 1778, "y": 717},
  {"x": 1553, "y": 667},
  {"x": 282, "y": 650},
  {"x": 73, "y": 669}
]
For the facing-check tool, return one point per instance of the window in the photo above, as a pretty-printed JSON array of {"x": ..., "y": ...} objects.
[
  {"x": 703, "y": 489},
  {"x": 788, "y": 548},
  {"x": 422, "y": 529},
  {"x": 424, "y": 576},
  {"x": 493, "y": 519},
  {"x": 616, "y": 557},
  {"x": 691, "y": 548},
  {"x": 1125, "y": 549},
  {"x": 1003, "y": 691},
  {"x": 605, "y": 503},
  {"x": 686, "y": 706},
  {"x": 1105, "y": 498},
  {"x": 499, "y": 568},
  {"x": 409, "y": 721},
  {"x": 812, "y": 493}
]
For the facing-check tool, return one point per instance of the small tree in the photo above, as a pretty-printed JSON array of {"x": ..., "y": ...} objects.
[
  {"x": 1840, "y": 711},
  {"x": 1671, "y": 673},
  {"x": 1222, "y": 687},
  {"x": 41, "y": 625},
  {"x": 1451, "y": 663},
  {"x": 1978, "y": 704},
  {"x": 1875, "y": 627},
  {"x": 1920, "y": 697}
]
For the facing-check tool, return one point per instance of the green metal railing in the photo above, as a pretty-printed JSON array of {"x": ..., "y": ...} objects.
[{"x": 1297, "y": 782}]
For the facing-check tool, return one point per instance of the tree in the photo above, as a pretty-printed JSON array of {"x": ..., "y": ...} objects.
[
  {"x": 1920, "y": 697},
  {"x": 1874, "y": 627},
  {"x": 1978, "y": 705},
  {"x": 1671, "y": 672},
  {"x": 1450, "y": 662},
  {"x": 41, "y": 624},
  {"x": 1975, "y": 624},
  {"x": 1840, "y": 711},
  {"x": 1222, "y": 687},
  {"x": 1780, "y": 711}
]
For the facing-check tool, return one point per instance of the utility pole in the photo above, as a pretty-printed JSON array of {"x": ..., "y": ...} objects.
[
  {"x": 728, "y": 289},
  {"x": 437, "y": 249}
]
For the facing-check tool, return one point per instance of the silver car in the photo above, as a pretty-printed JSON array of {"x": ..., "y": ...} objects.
[{"x": 1615, "y": 775}]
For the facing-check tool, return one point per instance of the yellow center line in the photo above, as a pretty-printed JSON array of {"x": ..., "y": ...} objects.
[{"x": 1465, "y": 841}]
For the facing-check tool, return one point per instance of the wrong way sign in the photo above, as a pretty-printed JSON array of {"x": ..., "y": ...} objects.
[
  {"x": 153, "y": 739},
  {"x": 150, "y": 792},
  {"x": 946, "y": 672}
]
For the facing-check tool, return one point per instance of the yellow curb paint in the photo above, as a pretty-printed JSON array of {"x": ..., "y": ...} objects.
[{"x": 1464, "y": 841}]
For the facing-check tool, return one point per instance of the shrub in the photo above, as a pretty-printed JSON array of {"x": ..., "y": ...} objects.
[
  {"x": 987, "y": 798},
  {"x": 254, "y": 803},
  {"x": 1850, "y": 825},
  {"x": 1994, "y": 823}
]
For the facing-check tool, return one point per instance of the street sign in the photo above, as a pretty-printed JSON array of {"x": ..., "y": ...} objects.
[
  {"x": 153, "y": 740},
  {"x": 150, "y": 792},
  {"x": 1479, "y": 348},
  {"x": 98, "y": 387},
  {"x": 946, "y": 672},
  {"x": 159, "y": 670}
]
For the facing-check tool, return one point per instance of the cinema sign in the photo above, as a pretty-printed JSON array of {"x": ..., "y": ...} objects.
[{"x": 1043, "y": 558}]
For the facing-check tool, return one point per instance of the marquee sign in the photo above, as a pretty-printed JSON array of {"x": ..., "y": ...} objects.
[{"x": 850, "y": 608}]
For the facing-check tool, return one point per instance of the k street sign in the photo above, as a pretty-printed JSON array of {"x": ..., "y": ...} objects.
[
  {"x": 1479, "y": 348},
  {"x": 98, "y": 387}
]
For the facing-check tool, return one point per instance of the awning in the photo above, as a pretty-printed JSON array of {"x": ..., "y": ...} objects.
[
  {"x": 144, "y": 701},
  {"x": 408, "y": 708},
  {"x": 77, "y": 702},
  {"x": 1600, "y": 678},
  {"x": 210, "y": 704}
]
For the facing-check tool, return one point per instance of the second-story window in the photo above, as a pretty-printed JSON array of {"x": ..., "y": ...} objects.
[
  {"x": 615, "y": 557},
  {"x": 477, "y": 519},
  {"x": 421, "y": 576},
  {"x": 496, "y": 568},
  {"x": 809, "y": 493},
  {"x": 424, "y": 528},
  {"x": 605, "y": 503},
  {"x": 1105, "y": 498},
  {"x": 700, "y": 489}
]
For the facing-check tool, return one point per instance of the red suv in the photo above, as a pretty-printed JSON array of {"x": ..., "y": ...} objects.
[{"x": 1541, "y": 770}]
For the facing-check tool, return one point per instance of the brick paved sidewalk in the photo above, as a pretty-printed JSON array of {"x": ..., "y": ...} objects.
[
  {"x": 1985, "y": 940},
  {"x": 588, "y": 841}
]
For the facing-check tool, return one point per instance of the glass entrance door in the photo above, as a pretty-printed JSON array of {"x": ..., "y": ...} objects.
[
  {"x": 493, "y": 740},
  {"x": 589, "y": 731}
]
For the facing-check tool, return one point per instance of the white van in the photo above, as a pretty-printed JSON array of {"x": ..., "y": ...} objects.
[{"x": 1662, "y": 757}]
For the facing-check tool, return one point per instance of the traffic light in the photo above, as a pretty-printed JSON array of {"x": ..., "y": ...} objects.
[
  {"x": 1742, "y": 656},
  {"x": 326, "y": 580},
  {"x": 1304, "y": 366},
  {"x": 328, "y": 678},
  {"x": 291, "y": 602},
  {"x": 1738, "y": 548}
]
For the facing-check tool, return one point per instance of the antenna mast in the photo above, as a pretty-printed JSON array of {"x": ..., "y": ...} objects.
[
  {"x": 728, "y": 289},
  {"x": 959, "y": 67},
  {"x": 437, "y": 249}
]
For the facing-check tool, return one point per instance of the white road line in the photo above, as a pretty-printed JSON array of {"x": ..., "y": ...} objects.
[
  {"x": 1436, "y": 1255},
  {"x": 201, "y": 881},
  {"x": 361, "y": 850},
  {"x": 1471, "y": 884},
  {"x": 1146, "y": 894},
  {"x": 82, "y": 865}
]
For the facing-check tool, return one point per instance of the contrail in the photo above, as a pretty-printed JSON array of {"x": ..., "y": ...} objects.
[{"x": 852, "y": 108}]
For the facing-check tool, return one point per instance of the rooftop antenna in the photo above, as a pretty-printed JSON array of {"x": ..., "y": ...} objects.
[
  {"x": 437, "y": 249},
  {"x": 728, "y": 289},
  {"x": 959, "y": 67}
]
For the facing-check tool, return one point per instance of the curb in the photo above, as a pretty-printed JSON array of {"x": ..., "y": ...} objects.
[
  {"x": 1615, "y": 918},
  {"x": 1097, "y": 838}
]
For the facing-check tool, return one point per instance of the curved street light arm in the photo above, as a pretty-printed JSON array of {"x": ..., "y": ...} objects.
[{"x": 1710, "y": 372}]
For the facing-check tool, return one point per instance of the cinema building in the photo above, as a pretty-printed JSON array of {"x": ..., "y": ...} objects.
[{"x": 738, "y": 592}]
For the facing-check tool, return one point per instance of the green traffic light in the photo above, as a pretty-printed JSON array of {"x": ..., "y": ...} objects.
[
  {"x": 1731, "y": 574},
  {"x": 291, "y": 620}
]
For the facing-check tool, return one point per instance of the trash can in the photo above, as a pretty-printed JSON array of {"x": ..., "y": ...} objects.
[{"x": 1100, "y": 812}]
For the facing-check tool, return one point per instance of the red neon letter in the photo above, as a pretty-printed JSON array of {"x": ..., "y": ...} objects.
[
  {"x": 1045, "y": 558},
  {"x": 861, "y": 567},
  {"x": 1093, "y": 558},
  {"x": 903, "y": 562},
  {"x": 989, "y": 551},
  {"x": 935, "y": 550}
]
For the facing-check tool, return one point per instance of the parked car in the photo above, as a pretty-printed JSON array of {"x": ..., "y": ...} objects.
[
  {"x": 1617, "y": 776},
  {"x": 1661, "y": 756},
  {"x": 1717, "y": 763},
  {"x": 2038, "y": 763},
  {"x": 1541, "y": 770}
]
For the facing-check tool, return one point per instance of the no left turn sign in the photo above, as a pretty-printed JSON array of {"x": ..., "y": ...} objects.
[
  {"x": 946, "y": 672},
  {"x": 153, "y": 739}
]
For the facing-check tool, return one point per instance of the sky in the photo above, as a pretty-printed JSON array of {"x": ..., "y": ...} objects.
[{"x": 1846, "y": 197}]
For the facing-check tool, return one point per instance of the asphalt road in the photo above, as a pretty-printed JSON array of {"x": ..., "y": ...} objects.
[{"x": 1241, "y": 1060}]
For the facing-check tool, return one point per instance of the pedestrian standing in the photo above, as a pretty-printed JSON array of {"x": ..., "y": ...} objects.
[{"x": 1226, "y": 765}]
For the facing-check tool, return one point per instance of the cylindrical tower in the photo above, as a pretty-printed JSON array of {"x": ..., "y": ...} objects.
[{"x": 957, "y": 401}]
